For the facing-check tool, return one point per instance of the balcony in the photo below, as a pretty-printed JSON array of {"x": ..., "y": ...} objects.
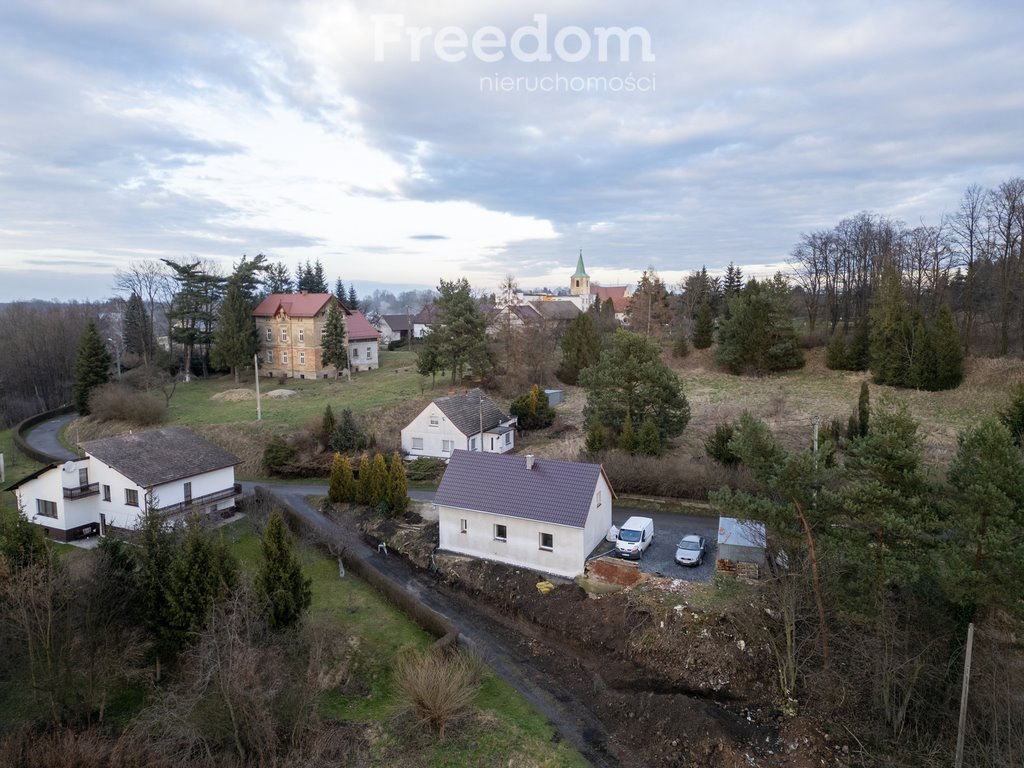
[
  {"x": 82, "y": 491},
  {"x": 198, "y": 502}
]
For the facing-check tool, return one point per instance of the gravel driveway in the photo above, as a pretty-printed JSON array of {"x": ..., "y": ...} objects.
[{"x": 669, "y": 528}]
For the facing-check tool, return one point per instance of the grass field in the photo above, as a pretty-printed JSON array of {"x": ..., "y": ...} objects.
[
  {"x": 16, "y": 466},
  {"x": 505, "y": 730}
]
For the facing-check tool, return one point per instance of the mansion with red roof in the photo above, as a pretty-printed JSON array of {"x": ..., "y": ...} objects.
[{"x": 291, "y": 328}]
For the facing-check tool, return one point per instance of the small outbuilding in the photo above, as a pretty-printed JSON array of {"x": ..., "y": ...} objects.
[{"x": 741, "y": 547}]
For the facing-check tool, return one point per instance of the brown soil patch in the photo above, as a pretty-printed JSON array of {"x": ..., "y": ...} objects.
[{"x": 234, "y": 395}]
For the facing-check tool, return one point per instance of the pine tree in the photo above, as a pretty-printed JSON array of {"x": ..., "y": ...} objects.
[
  {"x": 627, "y": 435},
  {"x": 335, "y": 350},
  {"x": 235, "y": 341},
  {"x": 835, "y": 354},
  {"x": 279, "y": 581},
  {"x": 949, "y": 356},
  {"x": 648, "y": 441},
  {"x": 704, "y": 328},
  {"x": 863, "y": 410},
  {"x": 364, "y": 482},
  {"x": 398, "y": 485},
  {"x": 378, "y": 492},
  {"x": 92, "y": 369},
  {"x": 581, "y": 347},
  {"x": 353, "y": 301},
  {"x": 597, "y": 439},
  {"x": 138, "y": 332},
  {"x": 1012, "y": 416}
]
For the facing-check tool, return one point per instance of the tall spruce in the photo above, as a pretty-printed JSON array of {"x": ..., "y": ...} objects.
[
  {"x": 235, "y": 341},
  {"x": 285, "y": 592},
  {"x": 277, "y": 279},
  {"x": 758, "y": 337},
  {"x": 138, "y": 330},
  {"x": 352, "y": 300},
  {"x": 581, "y": 347},
  {"x": 339, "y": 291},
  {"x": 460, "y": 339},
  {"x": 949, "y": 355},
  {"x": 201, "y": 572},
  {"x": 335, "y": 350},
  {"x": 92, "y": 368},
  {"x": 704, "y": 327}
]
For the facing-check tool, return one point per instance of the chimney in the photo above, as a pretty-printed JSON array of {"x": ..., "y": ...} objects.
[{"x": 529, "y": 461}]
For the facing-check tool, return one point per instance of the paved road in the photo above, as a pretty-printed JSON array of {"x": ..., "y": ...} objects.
[{"x": 43, "y": 437}]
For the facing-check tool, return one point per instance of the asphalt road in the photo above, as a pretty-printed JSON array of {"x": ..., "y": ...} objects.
[
  {"x": 43, "y": 437},
  {"x": 669, "y": 528}
]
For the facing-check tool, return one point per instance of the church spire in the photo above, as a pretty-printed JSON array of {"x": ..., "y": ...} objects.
[
  {"x": 580, "y": 271},
  {"x": 579, "y": 283}
]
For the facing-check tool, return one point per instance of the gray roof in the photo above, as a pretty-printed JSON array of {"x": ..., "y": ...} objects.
[
  {"x": 553, "y": 491},
  {"x": 463, "y": 411},
  {"x": 159, "y": 456},
  {"x": 556, "y": 310},
  {"x": 396, "y": 322}
]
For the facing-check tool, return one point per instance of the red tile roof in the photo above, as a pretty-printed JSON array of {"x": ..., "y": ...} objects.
[
  {"x": 617, "y": 293},
  {"x": 293, "y": 304},
  {"x": 358, "y": 328}
]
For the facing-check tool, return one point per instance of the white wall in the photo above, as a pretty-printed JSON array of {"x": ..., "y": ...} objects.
[
  {"x": 599, "y": 518},
  {"x": 116, "y": 511},
  {"x": 202, "y": 485},
  {"x": 432, "y": 436},
  {"x": 522, "y": 544}
]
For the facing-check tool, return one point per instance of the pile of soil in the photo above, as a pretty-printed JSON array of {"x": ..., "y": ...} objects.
[{"x": 234, "y": 395}]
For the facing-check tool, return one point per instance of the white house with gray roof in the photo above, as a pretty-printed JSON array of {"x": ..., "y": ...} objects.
[
  {"x": 109, "y": 487},
  {"x": 467, "y": 420},
  {"x": 535, "y": 513}
]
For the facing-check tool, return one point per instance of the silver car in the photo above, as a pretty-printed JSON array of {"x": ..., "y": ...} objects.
[{"x": 690, "y": 550}]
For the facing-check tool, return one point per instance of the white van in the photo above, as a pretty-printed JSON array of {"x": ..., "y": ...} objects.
[{"x": 635, "y": 536}]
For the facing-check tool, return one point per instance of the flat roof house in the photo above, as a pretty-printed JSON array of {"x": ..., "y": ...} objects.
[{"x": 541, "y": 514}]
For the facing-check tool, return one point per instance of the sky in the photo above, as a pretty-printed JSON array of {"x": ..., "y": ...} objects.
[{"x": 402, "y": 142}]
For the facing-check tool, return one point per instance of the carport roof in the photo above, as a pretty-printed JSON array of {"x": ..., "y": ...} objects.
[{"x": 557, "y": 492}]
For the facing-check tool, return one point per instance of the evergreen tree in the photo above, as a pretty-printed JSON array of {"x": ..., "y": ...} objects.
[
  {"x": 277, "y": 279},
  {"x": 201, "y": 572},
  {"x": 347, "y": 435},
  {"x": 192, "y": 314},
  {"x": 279, "y": 581},
  {"x": 92, "y": 368},
  {"x": 704, "y": 328},
  {"x": 949, "y": 356},
  {"x": 1012, "y": 416},
  {"x": 858, "y": 354},
  {"x": 138, "y": 331},
  {"x": 398, "y": 485},
  {"x": 428, "y": 358},
  {"x": 335, "y": 350},
  {"x": 835, "y": 354},
  {"x": 732, "y": 285},
  {"x": 648, "y": 441},
  {"x": 378, "y": 492},
  {"x": 461, "y": 336},
  {"x": 597, "y": 438},
  {"x": 631, "y": 377},
  {"x": 328, "y": 425},
  {"x": 353, "y": 300},
  {"x": 627, "y": 435},
  {"x": 318, "y": 281},
  {"x": 339, "y": 291},
  {"x": 758, "y": 337},
  {"x": 892, "y": 333},
  {"x": 863, "y": 410},
  {"x": 532, "y": 410},
  {"x": 235, "y": 341},
  {"x": 921, "y": 372},
  {"x": 581, "y": 347},
  {"x": 334, "y": 482},
  {"x": 679, "y": 346},
  {"x": 649, "y": 311},
  {"x": 342, "y": 485},
  {"x": 364, "y": 482}
]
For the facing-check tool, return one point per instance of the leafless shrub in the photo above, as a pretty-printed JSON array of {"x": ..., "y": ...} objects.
[
  {"x": 813, "y": 340},
  {"x": 116, "y": 402},
  {"x": 671, "y": 476},
  {"x": 83, "y": 749},
  {"x": 437, "y": 688}
]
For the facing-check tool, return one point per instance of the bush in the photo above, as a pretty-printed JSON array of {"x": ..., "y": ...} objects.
[
  {"x": 277, "y": 456},
  {"x": 348, "y": 436},
  {"x": 672, "y": 476},
  {"x": 679, "y": 347},
  {"x": 533, "y": 410},
  {"x": 425, "y": 470},
  {"x": 115, "y": 402},
  {"x": 1012, "y": 416},
  {"x": 437, "y": 689},
  {"x": 716, "y": 445}
]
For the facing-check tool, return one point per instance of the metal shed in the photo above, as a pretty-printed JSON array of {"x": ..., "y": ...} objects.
[{"x": 741, "y": 546}]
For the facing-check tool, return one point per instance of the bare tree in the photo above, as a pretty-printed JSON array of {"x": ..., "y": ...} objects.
[{"x": 971, "y": 238}]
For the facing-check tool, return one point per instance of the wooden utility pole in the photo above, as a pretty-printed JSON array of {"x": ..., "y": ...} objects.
[
  {"x": 963, "y": 698},
  {"x": 259, "y": 405}
]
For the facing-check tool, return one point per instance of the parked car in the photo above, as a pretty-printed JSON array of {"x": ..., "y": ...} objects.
[
  {"x": 691, "y": 550},
  {"x": 635, "y": 536}
]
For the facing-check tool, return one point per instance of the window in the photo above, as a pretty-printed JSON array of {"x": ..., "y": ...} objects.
[
  {"x": 46, "y": 508},
  {"x": 417, "y": 443},
  {"x": 369, "y": 353},
  {"x": 284, "y": 334},
  {"x": 599, "y": 498},
  {"x": 472, "y": 443},
  {"x": 270, "y": 334},
  {"x": 188, "y": 492},
  {"x": 106, "y": 493},
  {"x": 355, "y": 353},
  {"x": 302, "y": 335},
  {"x": 302, "y": 358},
  {"x": 284, "y": 358},
  {"x": 131, "y": 497},
  {"x": 433, "y": 420},
  {"x": 463, "y": 525},
  {"x": 323, "y": 333},
  {"x": 446, "y": 446},
  {"x": 270, "y": 355},
  {"x": 547, "y": 541},
  {"x": 492, "y": 443},
  {"x": 83, "y": 477},
  {"x": 500, "y": 533},
  {"x": 508, "y": 438}
]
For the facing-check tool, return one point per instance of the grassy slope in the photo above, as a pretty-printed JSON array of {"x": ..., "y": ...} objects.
[
  {"x": 16, "y": 465},
  {"x": 506, "y": 731}
]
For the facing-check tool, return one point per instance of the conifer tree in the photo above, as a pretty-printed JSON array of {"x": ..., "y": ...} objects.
[
  {"x": 353, "y": 301},
  {"x": 335, "y": 350},
  {"x": 286, "y": 593},
  {"x": 581, "y": 347},
  {"x": 398, "y": 485},
  {"x": 949, "y": 356},
  {"x": 234, "y": 342},
  {"x": 1012, "y": 415},
  {"x": 704, "y": 328},
  {"x": 378, "y": 492},
  {"x": 597, "y": 439},
  {"x": 277, "y": 279},
  {"x": 758, "y": 336},
  {"x": 648, "y": 441},
  {"x": 92, "y": 368},
  {"x": 335, "y": 493},
  {"x": 327, "y": 425},
  {"x": 680, "y": 347},
  {"x": 627, "y": 435},
  {"x": 863, "y": 410},
  {"x": 201, "y": 572},
  {"x": 364, "y": 482},
  {"x": 339, "y": 291},
  {"x": 138, "y": 331},
  {"x": 858, "y": 353},
  {"x": 835, "y": 353}
]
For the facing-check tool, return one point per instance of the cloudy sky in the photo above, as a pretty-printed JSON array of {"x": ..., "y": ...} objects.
[{"x": 400, "y": 145}]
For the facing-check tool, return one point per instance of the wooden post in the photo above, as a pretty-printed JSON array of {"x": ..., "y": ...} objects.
[
  {"x": 259, "y": 405},
  {"x": 963, "y": 698}
]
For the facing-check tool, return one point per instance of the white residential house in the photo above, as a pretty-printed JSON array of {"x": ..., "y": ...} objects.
[
  {"x": 468, "y": 420},
  {"x": 109, "y": 487},
  {"x": 541, "y": 514}
]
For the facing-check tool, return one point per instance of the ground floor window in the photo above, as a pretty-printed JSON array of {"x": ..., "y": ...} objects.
[
  {"x": 46, "y": 508},
  {"x": 417, "y": 443},
  {"x": 446, "y": 446},
  {"x": 547, "y": 541},
  {"x": 131, "y": 497},
  {"x": 500, "y": 533}
]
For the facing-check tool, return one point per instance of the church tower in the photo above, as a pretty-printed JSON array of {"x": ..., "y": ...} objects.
[{"x": 579, "y": 284}]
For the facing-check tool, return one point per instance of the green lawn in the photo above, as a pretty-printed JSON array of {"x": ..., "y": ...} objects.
[
  {"x": 16, "y": 466},
  {"x": 505, "y": 730}
]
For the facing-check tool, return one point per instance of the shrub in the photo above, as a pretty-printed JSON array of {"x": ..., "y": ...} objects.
[
  {"x": 716, "y": 445},
  {"x": 835, "y": 354},
  {"x": 437, "y": 689},
  {"x": 648, "y": 441},
  {"x": 425, "y": 470},
  {"x": 533, "y": 410},
  {"x": 672, "y": 476},
  {"x": 348, "y": 436},
  {"x": 115, "y": 402},
  {"x": 597, "y": 438},
  {"x": 277, "y": 455},
  {"x": 680, "y": 348}
]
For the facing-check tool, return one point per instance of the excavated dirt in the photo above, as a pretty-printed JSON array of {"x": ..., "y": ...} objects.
[{"x": 672, "y": 684}]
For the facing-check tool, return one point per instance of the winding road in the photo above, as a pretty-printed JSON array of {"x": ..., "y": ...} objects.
[{"x": 45, "y": 437}]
